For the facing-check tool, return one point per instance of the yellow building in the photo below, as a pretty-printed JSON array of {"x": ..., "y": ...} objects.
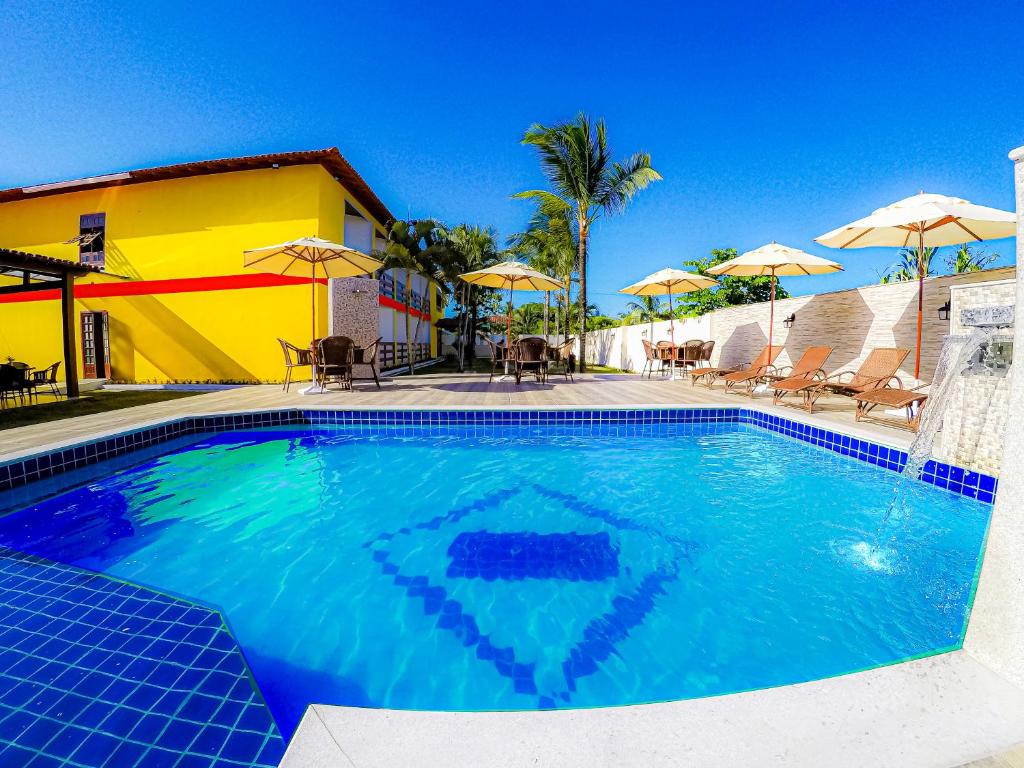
[{"x": 175, "y": 304}]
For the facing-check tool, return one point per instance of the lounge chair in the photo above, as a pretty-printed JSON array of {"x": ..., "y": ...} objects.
[
  {"x": 759, "y": 367},
  {"x": 809, "y": 366},
  {"x": 531, "y": 355},
  {"x": 892, "y": 398},
  {"x": 876, "y": 372}
]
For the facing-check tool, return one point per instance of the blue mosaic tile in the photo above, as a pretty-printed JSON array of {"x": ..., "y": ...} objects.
[
  {"x": 517, "y": 556},
  {"x": 100, "y": 672},
  {"x": 596, "y": 422}
]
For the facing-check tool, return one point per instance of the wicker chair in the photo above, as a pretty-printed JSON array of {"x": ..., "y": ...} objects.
[
  {"x": 876, "y": 372},
  {"x": 12, "y": 384},
  {"x": 531, "y": 355},
  {"x": 809, "y": 366},
  {"x": 666, "y": 354},
  {"x": 294, "y": 357},
  {"x": 45, "y": 378},
  {"x": 368, "y": 356},
  {"x": 690, "y": 354},
  {"x": 559, "y": 356},
  {"x": 761, "y": 365},
  {"x": 335, "y": 357},
  {"x": 498, "y": 353},
  {"x": 652, "y": 358}
]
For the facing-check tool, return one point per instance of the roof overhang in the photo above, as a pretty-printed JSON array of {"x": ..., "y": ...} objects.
[{"x": 331, "y": 159}]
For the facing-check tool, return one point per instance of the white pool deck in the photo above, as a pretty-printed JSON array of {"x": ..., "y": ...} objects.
[{"x": 942, "y": 711}]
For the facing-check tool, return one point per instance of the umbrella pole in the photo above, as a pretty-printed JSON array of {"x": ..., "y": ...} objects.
[
  {"x": 920, "y": 299},
  {"x": 508, "y": 328},
  {"x": 672, "y": 334},
  {"x": 771, "y": 319},
  {"x": 312, "y": 343}
]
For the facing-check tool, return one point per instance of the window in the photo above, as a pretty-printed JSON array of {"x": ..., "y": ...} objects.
[{"x": 91, "y": 239}]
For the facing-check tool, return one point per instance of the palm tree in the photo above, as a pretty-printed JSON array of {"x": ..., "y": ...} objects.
[
  {"x": 907, "y": 267},
  {"x": 416, "y": 247},
  {"x": 585, "y": 183},
  {"x": 967, "y": 259},
  {"x": 549, "y": 247},
  {"x": 647, "y": 308},
  {"x": 469, "y": 248}
]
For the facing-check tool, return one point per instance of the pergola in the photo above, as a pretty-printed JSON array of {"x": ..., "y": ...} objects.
[{"x": 44, "y": 273}]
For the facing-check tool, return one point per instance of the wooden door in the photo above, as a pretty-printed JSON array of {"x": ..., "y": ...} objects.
[{"x": 95, "y": 345}]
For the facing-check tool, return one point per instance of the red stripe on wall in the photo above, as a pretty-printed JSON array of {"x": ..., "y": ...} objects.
[
  {"x": 389, "y": 303},
  {"x": 183, "y": 285},
  {"x": 151, "y": 287}
]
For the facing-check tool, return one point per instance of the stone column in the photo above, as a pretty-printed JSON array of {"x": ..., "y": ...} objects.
[
  {"x": 352, "y": 312},
  {"x": 995, "y": 635}
]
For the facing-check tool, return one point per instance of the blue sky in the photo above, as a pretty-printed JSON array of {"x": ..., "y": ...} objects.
[{"x": 768, "y": 121}]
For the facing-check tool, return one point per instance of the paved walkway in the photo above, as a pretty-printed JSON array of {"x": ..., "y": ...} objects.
[{"x": 440, "y": 391}]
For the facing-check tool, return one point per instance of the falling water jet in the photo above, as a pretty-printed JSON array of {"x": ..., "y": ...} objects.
[{"x": 956, "y": 357}]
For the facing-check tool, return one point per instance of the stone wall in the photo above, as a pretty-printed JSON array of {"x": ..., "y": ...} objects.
[
  {"x": 995, "y": 633},
  {"x": 973, "y": 426},
  {"x": 352, "y": 311},
  {"x": 852, "y": 321}
]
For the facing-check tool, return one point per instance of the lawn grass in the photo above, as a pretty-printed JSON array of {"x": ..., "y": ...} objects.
[{"x": 96, "y": 401}]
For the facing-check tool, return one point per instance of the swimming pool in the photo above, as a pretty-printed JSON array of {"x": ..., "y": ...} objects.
[{"x": 522, "y": 566}]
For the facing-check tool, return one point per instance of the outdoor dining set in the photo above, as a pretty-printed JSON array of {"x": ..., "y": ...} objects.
[
  {"x": 531, "y": 354},
  {"x": 331, "y": 359},
  {"x": 20, "y": 382}
]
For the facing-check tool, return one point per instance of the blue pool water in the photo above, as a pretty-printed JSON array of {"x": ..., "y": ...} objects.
[{"x": 475, "y": 568}]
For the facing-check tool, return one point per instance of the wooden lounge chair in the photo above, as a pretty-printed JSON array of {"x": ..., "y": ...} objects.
[
  {"x": 531, "y": 355},
  {"x": 759, "y": 367},
  {"x": 876, "y": 372},
  {"x": 809, "y": 366},
  {"x": 892, "y": 398}
]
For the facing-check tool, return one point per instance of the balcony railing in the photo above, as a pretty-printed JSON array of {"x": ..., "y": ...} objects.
[{"x": 395, "y": 353}]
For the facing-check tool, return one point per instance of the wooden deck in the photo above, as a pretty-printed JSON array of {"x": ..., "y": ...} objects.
[{"x": 438, "y": 391}]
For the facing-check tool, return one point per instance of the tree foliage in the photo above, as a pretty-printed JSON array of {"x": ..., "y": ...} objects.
[{"x": 730, "y": 291}]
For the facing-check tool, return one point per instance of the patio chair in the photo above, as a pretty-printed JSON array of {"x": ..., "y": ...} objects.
[
  {"x": 892, "y": 398},
  {"x": 368, "y": 356},
  {"x": 45, "y": 378},
  {"x": 498, "y": 354},
  {"x": 809, "y": 366},
  {"x": 666, "y": 353},
  {"x": 876, "y": 372},
  {"x": 294, "y": 357},
  {"x": 335, "y": 357},
  {"x": 759, "y": 367},
  {"x": 689, "y": 355},
  {"x": 531, "y": 355},
  {"x": 652, "y": 358},
  {"x": 705, "y": 354},
  {"x": 560, "y": 355},
  {"x": 10, "y": 385}
]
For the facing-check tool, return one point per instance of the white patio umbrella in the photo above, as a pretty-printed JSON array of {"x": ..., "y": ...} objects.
[
  {"x": 924, "y": 221},
  {"x": 666, "y": 282},
  {"x": 311, "y": 257},
  {"x": 775, "y": 259},
  {"x": 515, "y": 276}
]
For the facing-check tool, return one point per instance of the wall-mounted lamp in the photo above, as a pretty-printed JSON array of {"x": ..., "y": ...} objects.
[
  {"x": 789, "y": 321},
  {"x": 944, "y": 311}
]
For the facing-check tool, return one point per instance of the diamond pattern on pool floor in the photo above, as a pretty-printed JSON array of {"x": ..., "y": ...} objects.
[
  {"x": 99, "y": 673},
  {"x": 601, "y": 635}
]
